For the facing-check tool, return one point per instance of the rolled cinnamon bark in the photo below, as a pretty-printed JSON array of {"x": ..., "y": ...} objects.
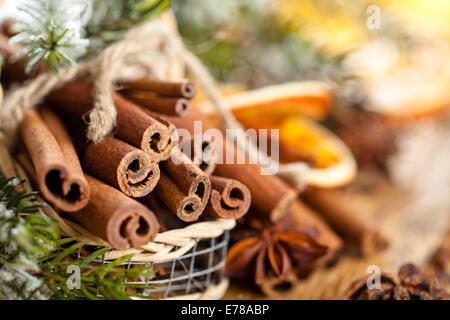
[
  {"x": 152, "y": 202},
  {"x": 59, "y": 175},
  {"x": 204, "y": 158},
  {"x": 189, "y": 178},
  {"x": 346, "y": 220},
  {"x": 229, "y": 199},
  {"x": 191, "y": 181},
  {"x": 270, "y": 195},
  {"x": 202, "y": 153},
  {"x": 122, "y": 166},
  {"x": 110, "y": 214},
  {"x": 133, "y": 124},
  {"x": 118, "y": 219},
  {"x": 185, "y": 189},
  {"x": 187, "y": 207},
  {"x": 183, "y": 88},
  {"x": 176, "y": 107}
]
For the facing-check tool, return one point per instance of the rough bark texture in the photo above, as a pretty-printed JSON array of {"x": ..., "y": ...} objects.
[
  {"x": 122, "y": 166},
  {"x": 58, "y": 170},
  {"x": 229, "y": 199}
]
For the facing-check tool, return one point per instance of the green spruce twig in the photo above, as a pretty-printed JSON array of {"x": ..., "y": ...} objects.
[
  {"x": 52, "y": 31},
  {"x": 61, "y": 32},
  {"x": 24, "y": 236},
  {"x": 96, "y": 281},
  {"x": 35, "y": 262}
]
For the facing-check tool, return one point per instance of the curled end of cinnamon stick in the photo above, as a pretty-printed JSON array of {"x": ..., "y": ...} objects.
[
  {"x": 205, "y": 161},
  {"x": 133, "y": 226},
  {"x": 190, "y": 208},
  {"x": 187, "y": 89},
  {"x": 201, "y": 187},
  {"x": 182, "y": 108},
  {"x": 158, "y": 141},
  {"x": 68, "y": 193},
  {"x": 52, "y": 155},
  {"x": 137, "y": 174},
  {"x": 230, "y": 199}
]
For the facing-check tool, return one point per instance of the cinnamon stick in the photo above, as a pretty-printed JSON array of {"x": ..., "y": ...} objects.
[
  {"x": 118, "y": 219},
  {"x": 270, "y": 195},
  {"x": 204, "y": 158},
  {"x": 59, "y": 175},
  {"x": 122, "y": 166},
  {"x": 346, "y": 220},
  {"x": 133, "y": 124},
  {"x": 183, "y": 187},
  {"x": 184, "y": 88},
  {"x": 177, "y": 107},
  {"x": 110, "y": 214},
  {"x": 156, "y": 206},
  {"x": 230, "y": 199}
]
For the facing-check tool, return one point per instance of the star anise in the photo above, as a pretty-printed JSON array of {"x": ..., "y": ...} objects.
[
  {"x": 267, "y": 247},
  {"x": 409, "y": 284}
]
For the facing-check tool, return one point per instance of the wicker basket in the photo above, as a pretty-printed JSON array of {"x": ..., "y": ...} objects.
[{"x": 189, "y": 261}]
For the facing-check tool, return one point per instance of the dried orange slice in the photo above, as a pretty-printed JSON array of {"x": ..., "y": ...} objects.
[
  {"x": 289, "y": 108},
  {"x": 303, "y": 140},
  {"x": 311, "y": 98},
  {"x": 331, "y": 163}
]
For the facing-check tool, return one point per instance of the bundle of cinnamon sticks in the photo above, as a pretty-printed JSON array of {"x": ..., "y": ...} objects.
[
  {"x": 116, "y": 187},
  {"x": 121, "y": 187}
]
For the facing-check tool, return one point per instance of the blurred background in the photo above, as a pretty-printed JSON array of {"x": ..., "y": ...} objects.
[
  {"x": 258, "y": 42},
  {"x": 387, "y": 62}
]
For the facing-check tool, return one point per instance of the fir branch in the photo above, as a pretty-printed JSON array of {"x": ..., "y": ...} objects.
[
  {"x": 111, "y": 18},
  {"x": 24, "y": 236},
  {"x": 34, "y": 261},
  {"x": 52, "y": 31},
  {"x": 61, "y": 32},
  {"x": 97, "y": 281}
]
